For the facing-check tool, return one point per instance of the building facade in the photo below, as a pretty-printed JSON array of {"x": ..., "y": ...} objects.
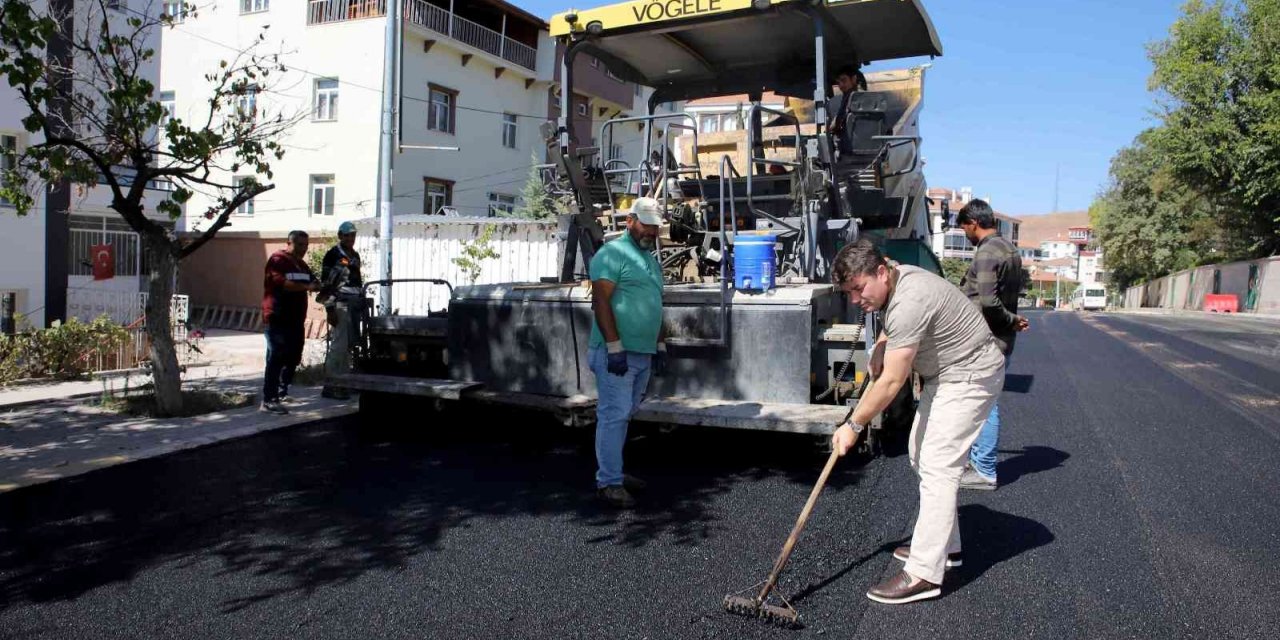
[
  {"x": 952, "y": 243},
  {"x": 48, "y": 261},
  {"x": 477, "y": 80}
]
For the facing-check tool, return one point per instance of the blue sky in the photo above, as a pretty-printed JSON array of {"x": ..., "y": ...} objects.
[{"x": 1024, "y": 87}]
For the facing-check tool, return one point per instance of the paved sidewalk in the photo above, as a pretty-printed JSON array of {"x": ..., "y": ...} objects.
[
  {"x": 51, "y": 431},
  {"x": 1244, "y": 317}
]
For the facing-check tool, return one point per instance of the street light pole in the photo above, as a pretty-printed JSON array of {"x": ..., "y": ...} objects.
[{"x": 386, "y": 150}]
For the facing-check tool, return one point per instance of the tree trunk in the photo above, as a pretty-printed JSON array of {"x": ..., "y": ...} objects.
[{"x": 164, "y": 357}]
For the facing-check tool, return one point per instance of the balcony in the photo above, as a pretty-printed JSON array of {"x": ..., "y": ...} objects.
[{"x": 428, "y": 16}]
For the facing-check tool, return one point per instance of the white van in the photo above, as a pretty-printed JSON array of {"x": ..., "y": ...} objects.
[{"x": 1089, "y": 297}]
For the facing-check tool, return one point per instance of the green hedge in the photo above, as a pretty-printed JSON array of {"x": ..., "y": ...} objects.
[{"x": 63, "y": 351}]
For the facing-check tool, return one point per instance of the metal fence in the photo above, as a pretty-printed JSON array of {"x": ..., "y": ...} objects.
[
  {"x": 326, "y": 11},
  {"x": 427, "y": 15},
  {"x": 127, "y": 308}
]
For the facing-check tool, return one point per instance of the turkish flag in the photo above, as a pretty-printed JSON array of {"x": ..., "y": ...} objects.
[{"x": 104, "y": 261}]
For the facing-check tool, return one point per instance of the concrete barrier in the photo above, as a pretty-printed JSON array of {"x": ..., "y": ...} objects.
[{"x": 1253, "y": 284}]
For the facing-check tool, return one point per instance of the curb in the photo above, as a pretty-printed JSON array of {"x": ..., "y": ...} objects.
[
  {"x": 23, "y": 404},
  {"x": 263, "y": 425},
  {"x": 1196, "y": 313}
]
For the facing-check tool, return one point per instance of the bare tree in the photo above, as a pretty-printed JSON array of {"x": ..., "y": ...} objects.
[{"x": 81, "y": 73}]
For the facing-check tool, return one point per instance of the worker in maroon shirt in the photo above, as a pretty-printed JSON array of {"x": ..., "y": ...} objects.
[{"x": 286, "y": 284}]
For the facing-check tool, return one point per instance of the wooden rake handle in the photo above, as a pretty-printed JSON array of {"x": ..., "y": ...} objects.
[
  {"x": 795, "y": 531},
  {"x": 808, "y": 508}
]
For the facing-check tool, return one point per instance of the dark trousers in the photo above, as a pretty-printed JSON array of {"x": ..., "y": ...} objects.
[{"x": 284, "y": 354}]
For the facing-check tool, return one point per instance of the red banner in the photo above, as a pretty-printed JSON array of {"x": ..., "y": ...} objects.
[{"x": 104, "y": 261}]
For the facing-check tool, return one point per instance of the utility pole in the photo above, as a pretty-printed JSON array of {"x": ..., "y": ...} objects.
[{"x": 386, "y": 151}]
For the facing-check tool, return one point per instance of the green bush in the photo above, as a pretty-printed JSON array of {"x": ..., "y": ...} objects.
[{"x": 64, "y": 350}]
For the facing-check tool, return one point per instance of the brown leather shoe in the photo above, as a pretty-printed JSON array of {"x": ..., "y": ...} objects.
[
  {"x": 899, "y": 590},
  {"x": 953, "y": 559}
]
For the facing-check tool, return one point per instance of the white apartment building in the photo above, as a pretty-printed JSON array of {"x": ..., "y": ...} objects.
[
  {"x": 729, "y": 113},
  {"x": 478, "y": 75},
  {"x": 482, "y": 78},
  {"x": 952, "y": 243},
  {"x": 47, "y": 252},
  {"x": 1055, "y": 249},
  {"x": 1089, "y": 267}
]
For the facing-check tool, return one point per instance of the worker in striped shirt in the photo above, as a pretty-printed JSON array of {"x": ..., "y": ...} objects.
[{"x": 993, "y": 282}]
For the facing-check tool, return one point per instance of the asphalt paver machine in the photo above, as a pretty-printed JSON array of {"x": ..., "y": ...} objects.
[{"x": 789, "y": 356}]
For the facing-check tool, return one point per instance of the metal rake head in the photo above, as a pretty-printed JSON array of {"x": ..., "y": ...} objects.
[{"x": 748, "y": 603}]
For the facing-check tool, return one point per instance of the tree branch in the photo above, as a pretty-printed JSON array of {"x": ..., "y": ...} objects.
[{"x": 223, "y": 218}]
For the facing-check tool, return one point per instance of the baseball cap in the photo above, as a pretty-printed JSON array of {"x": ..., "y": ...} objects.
[
  {"x": 346, "y": 227},
  {"x": 647, "y": 211}
]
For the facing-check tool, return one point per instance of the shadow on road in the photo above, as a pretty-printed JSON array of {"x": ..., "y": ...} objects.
[
  {"x": 1029, "y": 460},
  {"x": 1018, "y": 382},
  {"x": 324, "y": 504},
  {"x": 991, "y": 537}
]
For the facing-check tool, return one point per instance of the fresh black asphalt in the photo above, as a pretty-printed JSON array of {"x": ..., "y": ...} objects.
[{"x": 1137, "y": 501}]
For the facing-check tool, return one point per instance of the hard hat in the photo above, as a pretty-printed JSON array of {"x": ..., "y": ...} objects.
[
  {"x": 346, "y": 227},
  {"x": 647, "y": 211}
]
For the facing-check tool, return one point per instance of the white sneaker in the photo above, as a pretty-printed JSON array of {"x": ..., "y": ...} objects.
[{"x": 971, "y": 479}]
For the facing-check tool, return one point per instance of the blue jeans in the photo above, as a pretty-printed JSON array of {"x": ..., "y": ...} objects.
[
  {"x": 982, "y": 456},
  {"x": 619, "y": 396},
  {"x": 284, "y": 354}
]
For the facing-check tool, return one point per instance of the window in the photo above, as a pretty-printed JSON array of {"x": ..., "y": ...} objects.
[
  {"x": 247, "y": 102},
  {"x": 118, "y": 5},
  {"x": 729, "y": 122},
  {"x": 615, "y": 151},
  {"x": 322, "y": 195},
  {"x": 709, "y": 123},
  {"x": 500, "y": 203},
  {"x": 439, "y": 194},
  {"x": 169, "y": 105},
  {"x": 509, "y": 130},
  {"x": 8, "y": 158},
  {"x": 441, "y": 110},
  {"x": 957, "y": 242},
  {"x": 173, "y": 9},
  {"x": 326, "y": 100},
  {"x": 582, "y": 108},
  {"x": 245, "y": 209},
  {"x": 254, "y": 6}
]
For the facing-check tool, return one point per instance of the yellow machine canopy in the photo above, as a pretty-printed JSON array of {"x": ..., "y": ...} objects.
[{"x": 696, "y": 48}]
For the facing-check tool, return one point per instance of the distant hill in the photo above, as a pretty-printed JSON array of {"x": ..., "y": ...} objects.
[{"x": 1037, "y": 228}]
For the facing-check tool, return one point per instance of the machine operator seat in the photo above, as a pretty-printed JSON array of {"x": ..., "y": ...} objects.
[{"x": 860, "y": 159}]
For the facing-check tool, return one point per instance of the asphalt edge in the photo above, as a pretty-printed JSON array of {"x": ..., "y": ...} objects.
[{"x": 265, "y": 424}]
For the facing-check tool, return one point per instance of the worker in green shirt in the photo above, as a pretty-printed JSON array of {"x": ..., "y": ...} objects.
[{"x": 626, "y": 341}]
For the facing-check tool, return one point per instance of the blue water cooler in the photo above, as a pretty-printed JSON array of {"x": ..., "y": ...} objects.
[{"x": 754, "y": 262}]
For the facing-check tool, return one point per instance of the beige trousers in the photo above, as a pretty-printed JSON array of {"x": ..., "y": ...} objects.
[{"x": 946, "y": 424}]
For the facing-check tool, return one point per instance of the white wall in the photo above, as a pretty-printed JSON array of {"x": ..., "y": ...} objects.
[{"x": 426, "y": 246}]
